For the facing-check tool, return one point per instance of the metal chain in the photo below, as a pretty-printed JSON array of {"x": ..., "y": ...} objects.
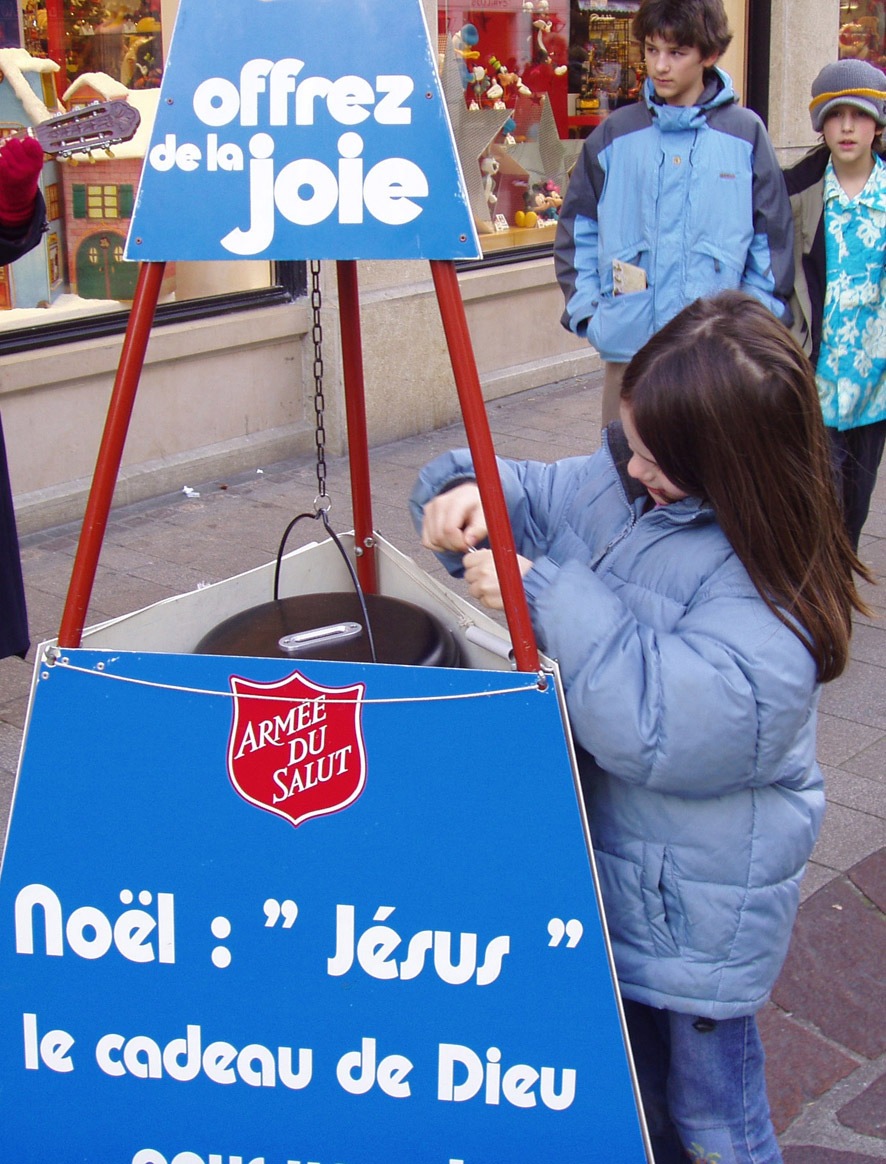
[{"x": 321, "y": 501}]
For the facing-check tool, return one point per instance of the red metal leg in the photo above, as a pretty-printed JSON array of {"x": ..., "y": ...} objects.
[
  {"x": 501, "y": 537},
  {"x": 355, "y": 409},
  {"x": 110, "y": 453},
  {"x": 473, "y": 410}
]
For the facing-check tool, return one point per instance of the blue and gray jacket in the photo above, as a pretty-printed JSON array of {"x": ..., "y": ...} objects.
[
  {"x": 693, "y": 195},
  {"x": 693, "y": 711}
]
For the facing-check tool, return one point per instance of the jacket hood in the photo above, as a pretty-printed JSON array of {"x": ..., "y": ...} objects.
[{"x": 718, "y": 91}]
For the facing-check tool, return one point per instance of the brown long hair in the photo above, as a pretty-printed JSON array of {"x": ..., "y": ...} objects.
[{"x": 725, "y": 400}]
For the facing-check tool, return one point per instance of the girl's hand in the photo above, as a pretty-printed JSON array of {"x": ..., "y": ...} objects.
[
  {"x": 454, "y": 520},
  {"x": 482, "y": 577}
]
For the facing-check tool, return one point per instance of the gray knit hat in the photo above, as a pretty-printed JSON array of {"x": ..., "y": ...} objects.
[{"x": 848, "y": 82}]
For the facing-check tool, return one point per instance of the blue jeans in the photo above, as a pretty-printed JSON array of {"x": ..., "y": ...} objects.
[{"x": 703, "y": 1087}]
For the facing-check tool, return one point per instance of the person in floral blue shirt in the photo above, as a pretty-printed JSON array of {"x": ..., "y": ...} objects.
[{"x": 838, "y": 197}]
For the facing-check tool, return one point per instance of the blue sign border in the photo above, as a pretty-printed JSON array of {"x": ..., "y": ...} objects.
[{"x": 290, "y": 138}]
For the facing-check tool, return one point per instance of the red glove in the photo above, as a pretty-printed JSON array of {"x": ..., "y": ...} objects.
[{"x": 21, "y": 162}]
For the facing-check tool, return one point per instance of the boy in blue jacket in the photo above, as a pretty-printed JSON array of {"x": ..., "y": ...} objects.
[{"x": 683, "y": 187}]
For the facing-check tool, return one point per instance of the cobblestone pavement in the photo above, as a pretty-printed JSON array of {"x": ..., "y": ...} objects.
[{"x": 825, "y": 1028}]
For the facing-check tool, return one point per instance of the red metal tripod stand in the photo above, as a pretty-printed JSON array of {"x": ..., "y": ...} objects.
[{"x": 467, "y": 382}]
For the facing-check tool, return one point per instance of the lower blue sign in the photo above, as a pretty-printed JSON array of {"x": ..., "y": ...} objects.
[{"x": 264, "y": 912}]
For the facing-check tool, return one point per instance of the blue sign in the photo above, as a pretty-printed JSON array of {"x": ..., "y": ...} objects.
[
  {"x": 301, "y": 129},
  {"x": 254, "y": 912}
]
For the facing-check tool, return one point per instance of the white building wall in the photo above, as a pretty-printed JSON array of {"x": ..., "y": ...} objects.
[
  {"x": 222, "y": 395},
  {"x": 804, "y": 40}
]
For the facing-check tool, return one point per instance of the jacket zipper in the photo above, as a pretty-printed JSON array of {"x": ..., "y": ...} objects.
[{"x": 632, "y": 518}]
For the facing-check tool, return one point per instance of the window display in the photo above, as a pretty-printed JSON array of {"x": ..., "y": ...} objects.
[
  {"x": 121, "y": 38},
  {"x": 57, "y": 56},
  {"x": 526, "y": 81},
  {"x": 505, "y": 77},
  {"x": 607, "y": 64}
]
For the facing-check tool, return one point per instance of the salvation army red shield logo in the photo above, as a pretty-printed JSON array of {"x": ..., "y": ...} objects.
[{"x": 296, "y": 748}]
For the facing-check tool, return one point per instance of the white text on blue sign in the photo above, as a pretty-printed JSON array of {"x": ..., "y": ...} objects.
[{"x": 305, "y": 191}]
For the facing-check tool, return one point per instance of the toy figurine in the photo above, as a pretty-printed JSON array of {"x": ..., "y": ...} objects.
[
  {"x": 542, "y": 27},
  {"x": 548, "y": 201},
  {"x": 543, "y": 202},
  {"x": 506, "y": 85},
  {"x": 464, "y": 44},
  {"x": 489, "y": 167}
]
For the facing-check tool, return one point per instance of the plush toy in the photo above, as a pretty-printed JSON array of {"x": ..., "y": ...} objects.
[{"x": 21, "y": 162}]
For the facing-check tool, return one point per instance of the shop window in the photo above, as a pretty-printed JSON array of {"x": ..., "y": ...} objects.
[
  {"x": 105, "y": 50},
  {"x": 863, "y": 31},
  {"x": 525, "y": 83},
  {"x": 121, "y": 38},
  {"x": 606, "y": 63}
]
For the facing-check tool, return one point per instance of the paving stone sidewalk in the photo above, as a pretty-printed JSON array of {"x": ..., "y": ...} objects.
[{"x": 825, "y": 1028}]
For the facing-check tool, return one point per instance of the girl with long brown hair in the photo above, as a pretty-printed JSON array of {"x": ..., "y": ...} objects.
[{"x": 694, "y": 581}]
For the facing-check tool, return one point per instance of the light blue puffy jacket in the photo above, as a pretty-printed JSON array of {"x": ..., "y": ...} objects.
[
  {"x": 693, "y": 195},
  {"x": 693, "y": 709}
]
